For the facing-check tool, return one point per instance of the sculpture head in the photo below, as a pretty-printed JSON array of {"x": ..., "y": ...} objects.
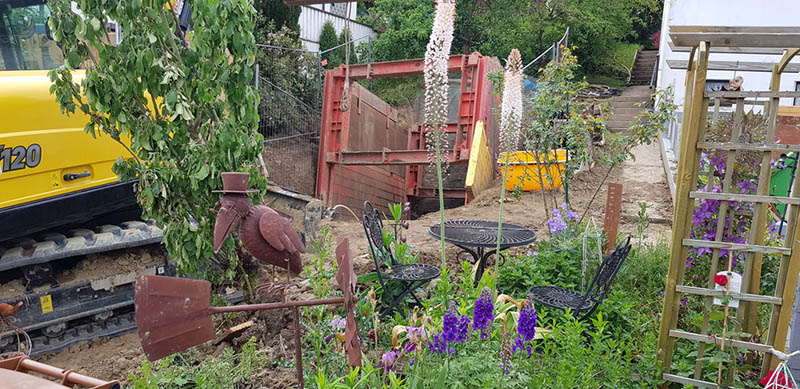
[{"x": 233, "y": 205}]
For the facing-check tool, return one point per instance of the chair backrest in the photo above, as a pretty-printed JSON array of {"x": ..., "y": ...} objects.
[
  {"x": 607, "y": 271},
  {"x": 373, "y": 227}
]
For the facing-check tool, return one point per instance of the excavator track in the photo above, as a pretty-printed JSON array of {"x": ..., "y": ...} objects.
[{"x": 57, "y": 315}]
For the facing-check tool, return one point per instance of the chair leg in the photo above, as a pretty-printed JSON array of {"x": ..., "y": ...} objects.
[{"x": 408, "y": 287}]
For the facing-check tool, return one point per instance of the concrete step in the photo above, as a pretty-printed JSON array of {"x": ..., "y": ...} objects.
[
  {"x": 631, "y": 98},
  {"x": 618, "y": 111},
  {"x": 647, "y": 53}
]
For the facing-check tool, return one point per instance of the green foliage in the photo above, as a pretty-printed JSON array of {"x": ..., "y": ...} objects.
[
  {"x": 293, "y": 71},
  {"x": 345, "y": 37},
  {"x": 557, "y": 120},
  {"x": 179, "y": 371},
  {"x": 278, "y": 14},
  {"x": 494, "y": 27},
  {"x": 328, "y": 40},
  {"x": 188, "y": 108}
]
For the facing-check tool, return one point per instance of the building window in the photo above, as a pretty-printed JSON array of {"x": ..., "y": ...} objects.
[
  {"x": 797, "y": 89},
  {"x": 717, "y": 85},
  {"x": 339, "y": 9}
]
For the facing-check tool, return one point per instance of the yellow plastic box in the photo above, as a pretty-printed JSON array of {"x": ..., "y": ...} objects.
[{"x": 525, "y": 172}]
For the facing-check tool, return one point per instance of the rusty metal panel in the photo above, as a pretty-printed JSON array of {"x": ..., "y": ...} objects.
[{"x": 613, "y": 209}]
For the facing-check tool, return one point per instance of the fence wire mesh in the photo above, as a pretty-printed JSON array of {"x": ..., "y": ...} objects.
[{"x": 291, "y": 138}]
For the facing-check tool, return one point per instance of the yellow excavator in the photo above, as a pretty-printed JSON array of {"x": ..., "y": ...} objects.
[{"x": 65, "y": 218}]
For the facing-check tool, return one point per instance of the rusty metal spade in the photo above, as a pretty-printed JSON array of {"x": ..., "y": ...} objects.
[{"x": 174, "y": 314}]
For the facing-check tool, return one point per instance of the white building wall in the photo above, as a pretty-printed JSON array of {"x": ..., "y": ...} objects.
[
  {"x": 722, "y": 13},
  {"x": 314, "y": 16}
]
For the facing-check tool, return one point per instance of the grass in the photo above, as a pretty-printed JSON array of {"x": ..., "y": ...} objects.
[{"x": 618, "y": 62}]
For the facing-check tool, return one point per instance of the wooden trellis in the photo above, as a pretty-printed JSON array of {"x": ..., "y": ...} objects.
[{"x": 701, "y": 106}]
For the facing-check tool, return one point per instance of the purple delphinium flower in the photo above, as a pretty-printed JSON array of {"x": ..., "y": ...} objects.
[
  {"x": 454, "y": 330},
  {"x": 526, "y": 329},
  {"x": 483, "y": 316},
  {"x": 439, "y": 345},
  {"x": 388, "y": 359},
  {"x": 505, "y": 356},
  {"x": 454, "y": 327}
]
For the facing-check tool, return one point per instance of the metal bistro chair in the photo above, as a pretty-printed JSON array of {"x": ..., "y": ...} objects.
[
  {"x": 411, "y": 276},
  {"x": 585, "y": 304}
]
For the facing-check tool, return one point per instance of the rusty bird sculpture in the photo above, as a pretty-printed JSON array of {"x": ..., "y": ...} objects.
[{"x": 266, "y": 235}]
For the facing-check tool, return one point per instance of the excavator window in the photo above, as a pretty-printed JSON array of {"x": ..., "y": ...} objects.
[{"x": 24, "y": 40}]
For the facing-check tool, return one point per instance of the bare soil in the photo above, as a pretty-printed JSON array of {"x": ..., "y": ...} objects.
[{"x": 642, "y": 180}]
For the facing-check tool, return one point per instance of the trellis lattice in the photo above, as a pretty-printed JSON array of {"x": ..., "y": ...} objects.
[{"x": 701, "y": 107}]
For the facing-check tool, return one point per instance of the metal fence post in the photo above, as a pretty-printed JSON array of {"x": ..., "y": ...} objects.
[
  {"x": 319, "y": 79},
  {"x": 255, "y": 82}
]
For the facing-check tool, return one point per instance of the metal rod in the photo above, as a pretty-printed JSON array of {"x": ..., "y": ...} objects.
[
  {"x": 288, "y": 304},
  {"x": 283, "y": 48},
  {"x": 298, "y": 353},
  {"x": 346, "y": 43}
]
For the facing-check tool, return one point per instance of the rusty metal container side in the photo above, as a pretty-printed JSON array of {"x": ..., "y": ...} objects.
[{"x": 364, "y": 123}]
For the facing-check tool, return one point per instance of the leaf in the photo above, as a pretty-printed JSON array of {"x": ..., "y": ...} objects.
[
  {"x": 441, "y": 382},
  {"x": 95, "y": 24},
  {"x": 716, "y": 315},
  {"x": 203, "y": 173}
]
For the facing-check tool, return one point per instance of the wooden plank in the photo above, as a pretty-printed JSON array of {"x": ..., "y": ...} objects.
[
  {"x": 755, "y": 37},
  {"x": 733, "y": 29},
  {"x": 720, "y": 293},
  {"x": 479, "y": 170},
  {"x": 613, "y": 209},
  {"x": 736, "y": 246},
  {"x": 689, "y": 381},
  {"x": 742, "y": 66},
  {"x": 744, "y": 197},
  {"x": 752, "y": 146},
  {"x": 743, "y": 94},
  {"x": 764, "y": 348},
  {"x": 731, "y": 50},
  {"x": 692, "y": 130}
]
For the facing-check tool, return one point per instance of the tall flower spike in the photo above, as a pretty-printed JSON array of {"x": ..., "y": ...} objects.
[
  {"x": 511, "y": 110},
  {"x": 437, "y": 55}
]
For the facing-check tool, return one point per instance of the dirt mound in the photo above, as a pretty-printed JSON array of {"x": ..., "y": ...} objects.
[{"x": 107, "y": 359}]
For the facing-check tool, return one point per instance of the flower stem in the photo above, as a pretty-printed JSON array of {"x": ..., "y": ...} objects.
[
  {"x": 441, "y": 189},
  {"x": 502, "y": 200}
]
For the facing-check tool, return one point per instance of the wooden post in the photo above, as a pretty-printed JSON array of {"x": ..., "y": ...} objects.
[
  {"x": 613, "y": 209},
  {"x": 788, "y": 273},
  {"x": 688, "y": 163}
]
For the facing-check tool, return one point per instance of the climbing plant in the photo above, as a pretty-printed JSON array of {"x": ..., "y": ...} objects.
[{"x": 185, "y": 106}]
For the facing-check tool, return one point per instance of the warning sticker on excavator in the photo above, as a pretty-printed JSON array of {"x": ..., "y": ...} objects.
[{"x": 47, "y": 303}]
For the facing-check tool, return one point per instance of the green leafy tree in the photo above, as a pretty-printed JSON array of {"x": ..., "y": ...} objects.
[
  {"x": 494, "y": 27},
  {"x": 290, "y": 69},
  {"x": 345, "y": 37},
  {"x": 189, "y": 109},
  {"x": 328, "y": 40},
  {"x": 278, "y": 13}
]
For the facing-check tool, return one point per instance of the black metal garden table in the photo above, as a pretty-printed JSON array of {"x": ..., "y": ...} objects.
[{"x": 476, "y": 236}]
